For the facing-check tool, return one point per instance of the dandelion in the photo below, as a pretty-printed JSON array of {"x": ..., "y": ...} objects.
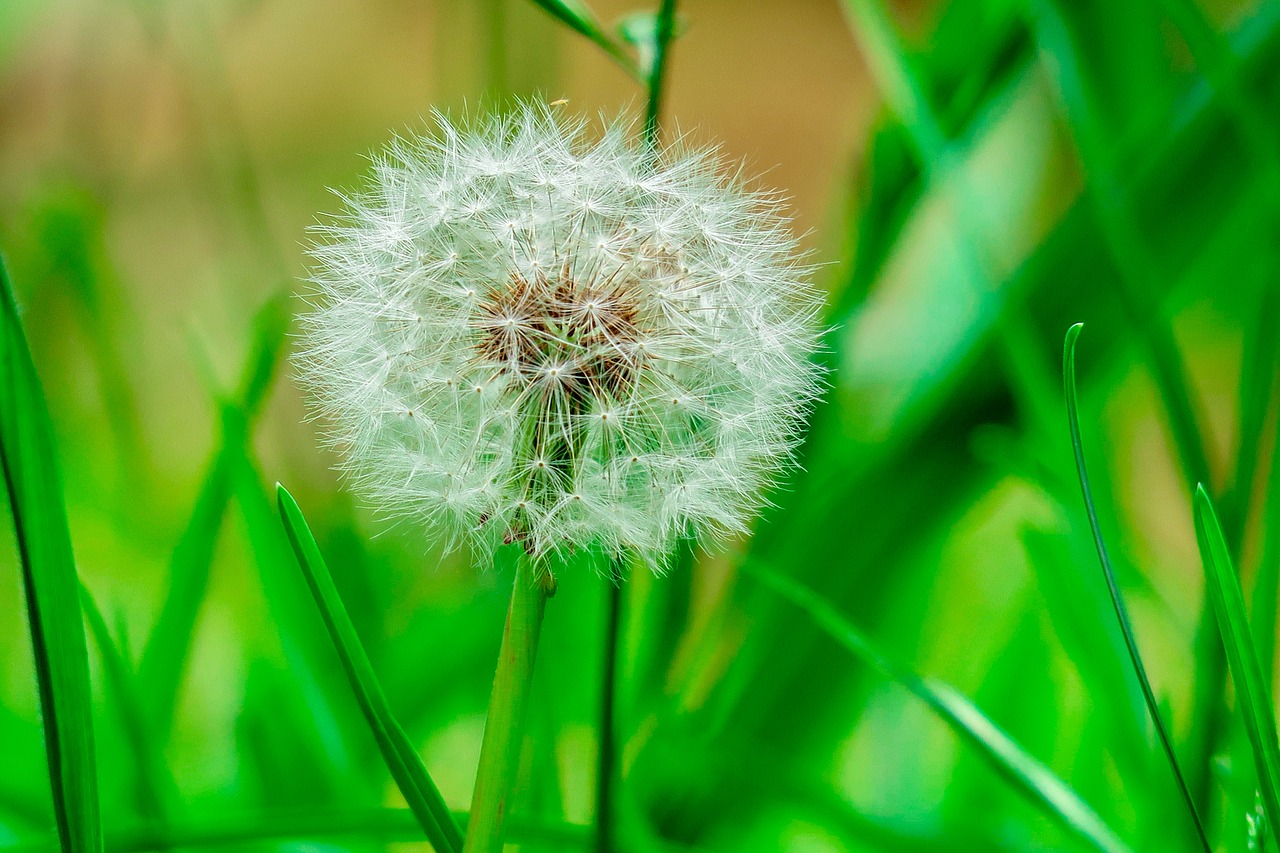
[{"x": 524, "y": 335}]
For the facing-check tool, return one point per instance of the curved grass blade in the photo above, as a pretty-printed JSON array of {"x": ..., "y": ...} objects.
[
  {"x": 1122, "y": 615},
  {"x": 1021, "y": 769},
  {"x": 579, "y": 18},
  {"x": 1140, "y": 283},
  {"x": 1242, "y": 656},
  {"x": 50, "y": 584},
  {"x": 402, "y": 759}
]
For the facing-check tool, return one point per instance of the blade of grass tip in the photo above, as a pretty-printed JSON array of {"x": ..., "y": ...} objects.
[
  {"x": 579, "y": 18},
  {"x": 420, "y": 792},
  {"x": 1122, "y": 615},
  {"x": 1010, "y": 760},
  {"x": 50, "y": 584},
  {"x": 165, "y": 653},
  {"x": 1212, "y": 54},
  {"x": 153, "y": 784},
  {"x": 1242, "y": 657}
]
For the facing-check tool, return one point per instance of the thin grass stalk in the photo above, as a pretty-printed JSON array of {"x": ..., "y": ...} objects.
[
  {"x": 606, "y": 767},
  {"x": 1139, "y": 283},
  {"x": 606, "y": 764},
  {"x": 1117, "y": 600}
]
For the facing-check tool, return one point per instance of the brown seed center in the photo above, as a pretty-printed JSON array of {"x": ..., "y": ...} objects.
[{"x": 586, "y": 338}]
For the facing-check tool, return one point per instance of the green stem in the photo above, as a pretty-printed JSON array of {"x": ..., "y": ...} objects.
[
  {"x": 606, "y": 769},
  {"x": 504, "y": 726},
  {"x": 666, "y": 27},
  {"x": 497, "y": 83},
  {"x": 606, "y": 765}
]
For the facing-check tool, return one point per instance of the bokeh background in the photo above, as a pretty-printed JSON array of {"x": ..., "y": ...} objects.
[{"x": 971, "y": 179}]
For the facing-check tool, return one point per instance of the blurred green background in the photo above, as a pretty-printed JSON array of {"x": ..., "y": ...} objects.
[{"x": 973, "y": 177}]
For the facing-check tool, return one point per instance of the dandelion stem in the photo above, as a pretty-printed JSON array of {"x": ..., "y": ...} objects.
[{"x": 504, "y": 725}]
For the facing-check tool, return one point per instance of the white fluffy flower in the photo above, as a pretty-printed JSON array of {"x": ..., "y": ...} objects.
[{"x": 524, "y": 335}]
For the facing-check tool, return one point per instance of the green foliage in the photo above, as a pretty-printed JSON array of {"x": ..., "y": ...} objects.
[
  {"x": 976, "y": 177},
  {"x": 1009, "y": 759}
]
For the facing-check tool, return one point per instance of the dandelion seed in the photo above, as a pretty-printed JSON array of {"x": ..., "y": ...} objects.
[{"x": 601, "y": 348}]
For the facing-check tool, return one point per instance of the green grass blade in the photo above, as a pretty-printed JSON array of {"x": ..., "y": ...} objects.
[
  {"x": 165, "y": 654},
  {"x": 1142, "y": 281},
  {"x": 402, "y": 759},
  {"x": 1021, "y": 769},
  {"x": 153, "y": 785},
  {"x": 306, "y": 649},
  {"x": 51, "y": 586},
  {"x": 1242, "y": 657},
  {"x": 1131, "y": 643},
  {"x": 578, "y": 17}
]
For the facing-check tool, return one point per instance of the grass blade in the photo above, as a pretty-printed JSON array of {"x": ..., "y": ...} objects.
[
  {"x": 402, "y": 759},
  {"x": 579, "y": 18},
  {"x": 1122, "y": 615},
  {"x": 153, "y": 785},
  {"x": 1242, "y": 655},
  {"x": 51, "y": 586},
  {"x": 165, "y": 654},
  {"x": 306, "y": 649},
  {"x": 1020, "y": 768}
]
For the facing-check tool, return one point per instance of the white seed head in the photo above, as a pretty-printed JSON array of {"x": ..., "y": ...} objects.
[{"x": 522, "y": 334}]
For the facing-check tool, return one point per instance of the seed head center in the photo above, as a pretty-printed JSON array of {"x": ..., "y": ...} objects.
[{"x": 586, "y": 338}]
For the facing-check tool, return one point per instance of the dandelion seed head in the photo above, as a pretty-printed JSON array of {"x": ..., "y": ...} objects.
[{"x": 523, "y": 334}]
